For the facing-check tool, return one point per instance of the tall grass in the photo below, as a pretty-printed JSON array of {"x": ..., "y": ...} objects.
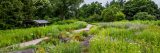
[
  {"x": 112, "y": 37},
  {"x": 72, "y": 47},
  {"x": 126, "y": 37},
  {"x": 10, "y": 37}
]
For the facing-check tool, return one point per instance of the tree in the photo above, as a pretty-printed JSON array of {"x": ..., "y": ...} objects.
[
  {"x": 122, "y": 2},
  {"x": 157, "y": 14},
  {"x": 44, "y": 8},
  {"x": 14, "y": 12},
  {"x": 118, "y": 2},
  {"x": 112, "y": 13},
  {"x": 143, "y": 16},
  {"x": 107, "y": 4},
  {"x": 94, "y": 18},
  {"x": 89, "y": 9},
  {"x": 66, "y": 8},
  {"x": 28, "y": 9},
  {"x": 11, "y": 14},
  {"x": 120, "y": 16},
  {"x": 132, "y": 7}
]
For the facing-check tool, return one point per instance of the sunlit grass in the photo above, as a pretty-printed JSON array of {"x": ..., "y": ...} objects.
[
  {"x": 10, "y": 37},
  {"x": 126, "y": 37},
  {"x": 112, "y": 37}
]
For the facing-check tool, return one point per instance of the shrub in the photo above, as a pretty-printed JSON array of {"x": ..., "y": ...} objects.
[
  {"x": 94, "y": 18},
  {"x": 143, "y": 16},
  {"x": 112, "y": 13},
  {"x": 120, "y": 16}
]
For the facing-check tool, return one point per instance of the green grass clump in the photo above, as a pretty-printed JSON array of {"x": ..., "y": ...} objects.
[
  {"x": 75, "y": 25},
  {"x": 106, "y": 45},
  {"x": 65, "y": 22},
  {"x": 72, "y": 47}
]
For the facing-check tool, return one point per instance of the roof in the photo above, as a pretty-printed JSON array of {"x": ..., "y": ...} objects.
[{"x": 41, "y": 21}]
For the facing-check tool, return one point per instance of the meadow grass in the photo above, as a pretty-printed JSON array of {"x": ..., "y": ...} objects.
[
  {"x": 108, "y": 37},
  {"x": 10, "y": 37},
  {"x": 71, "y": 47},
  {"x": 113, "y": 37},
  {"x": 125, "y": 37}
]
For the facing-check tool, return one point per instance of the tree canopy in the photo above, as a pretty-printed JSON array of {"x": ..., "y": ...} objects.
[
  {"x": 14, "y": 12},
  {"x": 134, "y": 6},
  {"x": 89, "y": 9}
]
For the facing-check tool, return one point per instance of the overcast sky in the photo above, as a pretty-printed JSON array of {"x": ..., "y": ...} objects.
[{"x": 105, "y": 1}]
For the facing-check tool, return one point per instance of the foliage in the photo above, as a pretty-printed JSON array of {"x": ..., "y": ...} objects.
[
  {"x": 94, "y": 18},
  {"x": 67, "y": 8},
  {"x": 73, "y": 47},
  {"x": 132, "y": 7},
  {"x": 9, "y": 37},
  {"x": 11, "y": 15},
  {"x": 158, "y": 14},
  {"x": 14, "y": 12},
  {"x": 44, "y": 9},
  {"x": 125, "y": 37},
  {"x": 119, "y": 16},
  {"x": 138, "y": 36},
  {"x": 112, "y": 13},
  {"x": 143, "y": 16},
  {"x": 90, "y": 9}
]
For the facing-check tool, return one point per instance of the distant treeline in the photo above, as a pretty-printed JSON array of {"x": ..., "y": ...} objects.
[{"x": 14, "y": 12}]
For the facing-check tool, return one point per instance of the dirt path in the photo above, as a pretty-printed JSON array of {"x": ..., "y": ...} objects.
[
  {"x": 33, "y": 42},
  {"x": 29, "y": 43},
  {"x": 84, "y": 29},
  {"x": 85, "y": 43},
  {"x": 25, "y": 44}
]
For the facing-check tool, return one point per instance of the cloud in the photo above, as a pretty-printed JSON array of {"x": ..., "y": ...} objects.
[{"x": 157, "y": 2}]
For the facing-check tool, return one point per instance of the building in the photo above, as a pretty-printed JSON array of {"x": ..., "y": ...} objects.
[
  {"x": 40, "y": 22},
  {"x": 29, "y": 23}
]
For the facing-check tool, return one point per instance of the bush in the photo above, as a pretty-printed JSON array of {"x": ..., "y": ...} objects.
[
  {"x": 132, "y": 7},
  {"x": 144, "y": 16},
  {"x": 120, "y": 16},
  {"x": 94, "y": 18},
  {"x": 112, "y": 13}
]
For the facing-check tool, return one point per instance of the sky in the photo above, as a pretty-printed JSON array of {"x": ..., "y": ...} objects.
[{"x": 105, "y": 1}]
